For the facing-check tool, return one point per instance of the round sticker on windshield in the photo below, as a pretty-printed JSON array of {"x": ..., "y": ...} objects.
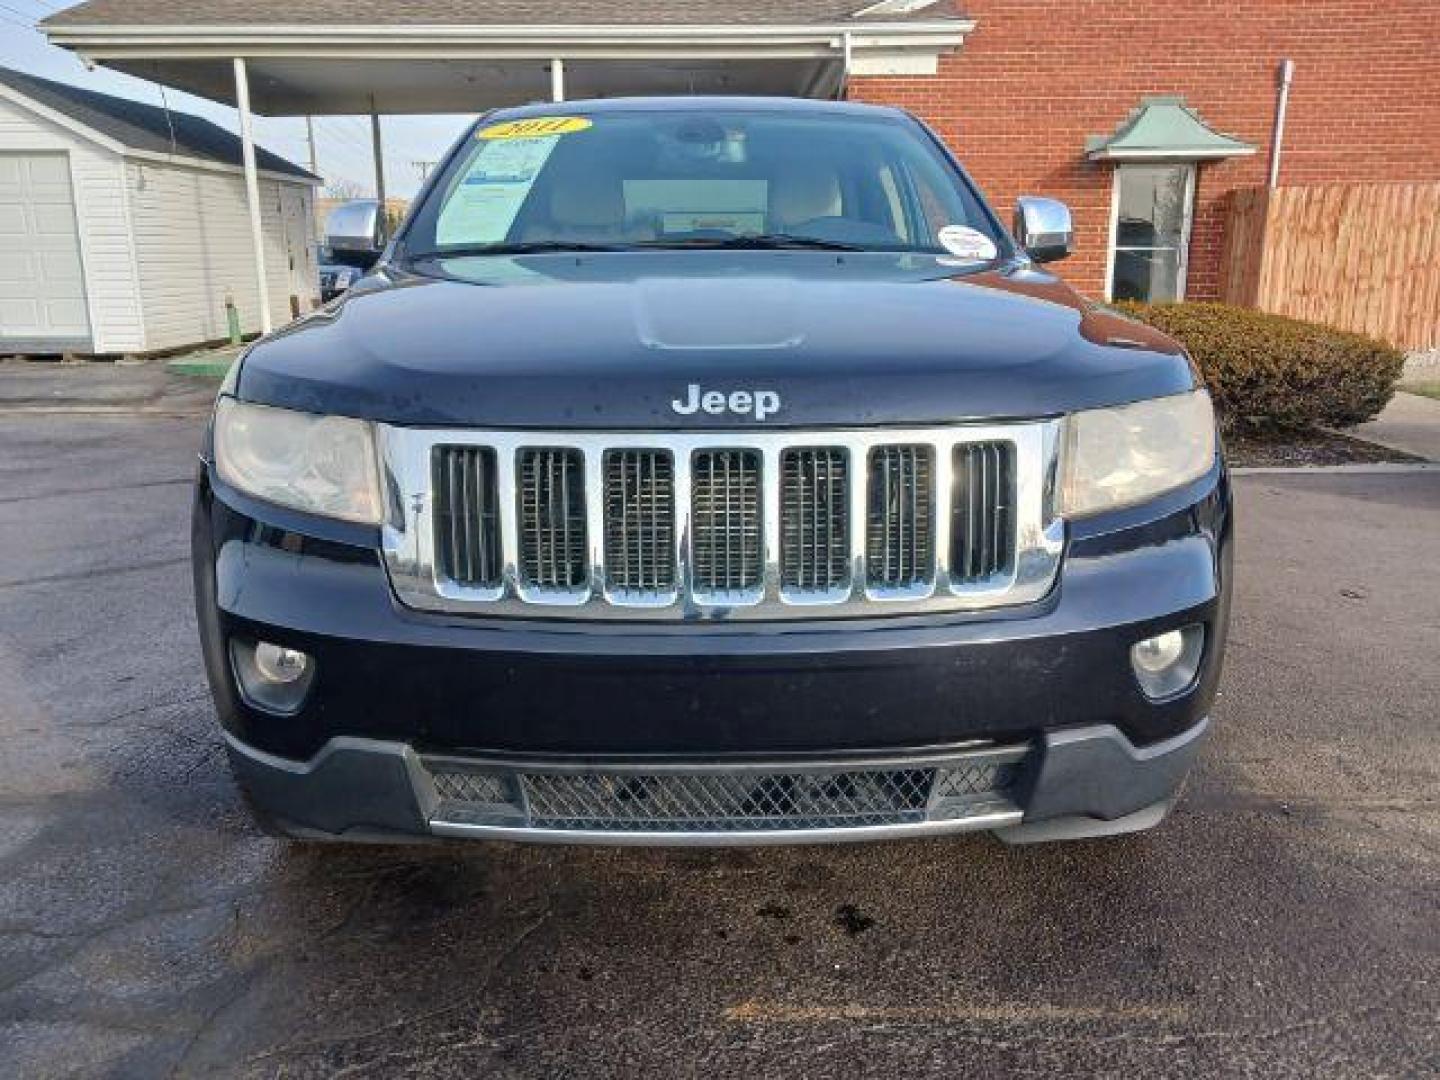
[{"x": 967, "y": 243}]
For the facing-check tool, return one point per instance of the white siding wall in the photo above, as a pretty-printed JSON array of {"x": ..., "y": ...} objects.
[
  {"x": 97, "y": 177},
  {"x": 192, "y": 244}
]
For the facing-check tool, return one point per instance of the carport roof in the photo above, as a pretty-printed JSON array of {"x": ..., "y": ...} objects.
[
  {"x": 137, "y": 126},
  {"x": 493, "y": 12},
  {"x": 431, "y": 56}
]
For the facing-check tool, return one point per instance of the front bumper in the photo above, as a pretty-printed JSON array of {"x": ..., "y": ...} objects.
[
  {"x": 1080, "y": 782},
  {"x": 396, "y": 691}
]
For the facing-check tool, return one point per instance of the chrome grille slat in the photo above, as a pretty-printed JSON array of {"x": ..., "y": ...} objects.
[
  {"x": 982, "y": 531},
  {"x": 467, "y": 529},
  {"x": 551, "y": 506},
  {"x": 900, "y": 551},
  {"x": 639, "y": 521},
  {"x": 725, "y": 507},
  {"x": 814, "y": 509},
  {"x": 776, "y": 524}
]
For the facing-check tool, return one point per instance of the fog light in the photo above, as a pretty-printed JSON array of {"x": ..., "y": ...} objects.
[
  {"x": 277, "y": 664},
  {"x": 1167, "y": 663},
  {"x": 272, "y": 678}
]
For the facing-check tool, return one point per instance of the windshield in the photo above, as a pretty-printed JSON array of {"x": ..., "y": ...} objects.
[{"x": 685, "y": 179}]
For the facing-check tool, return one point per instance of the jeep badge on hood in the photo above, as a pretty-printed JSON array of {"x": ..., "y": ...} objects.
[{"x": 756, "y": 403}]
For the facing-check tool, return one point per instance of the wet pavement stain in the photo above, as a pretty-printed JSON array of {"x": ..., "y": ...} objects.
[{"x": 852, "y": 920}]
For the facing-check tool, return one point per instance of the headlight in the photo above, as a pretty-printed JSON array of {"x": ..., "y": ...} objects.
[
  {"x": 1126, "y": 455},
  {"x": 318, "y": 464}
]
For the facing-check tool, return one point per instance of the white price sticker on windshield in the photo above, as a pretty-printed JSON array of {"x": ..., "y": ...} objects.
[
  {"x": 488, "y": 197},
  {"x": 967, "y": 243}
]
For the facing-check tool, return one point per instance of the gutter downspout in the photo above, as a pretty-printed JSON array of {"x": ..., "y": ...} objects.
[
  {"x": 557, "y": 80},
  {"x": 252, "y": 190},
  {"x": 844, "y": 87},
  {"x": 1287, "y": 76}
]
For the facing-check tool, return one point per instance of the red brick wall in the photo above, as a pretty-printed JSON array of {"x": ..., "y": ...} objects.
[{"x": 1035, "y": 78}]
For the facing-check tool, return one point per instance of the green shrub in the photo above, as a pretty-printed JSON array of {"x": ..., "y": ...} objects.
[{"x": 1269, "y": 372}]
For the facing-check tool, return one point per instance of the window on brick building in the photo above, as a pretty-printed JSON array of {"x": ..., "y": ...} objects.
[{"x": 1150, "y": 234}]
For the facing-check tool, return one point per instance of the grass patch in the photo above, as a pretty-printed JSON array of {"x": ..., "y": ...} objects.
[{"x": 1430, "y": 389}]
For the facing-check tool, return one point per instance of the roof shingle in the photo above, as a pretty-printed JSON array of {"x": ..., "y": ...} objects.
[
  {"x": 477, "y": 13},
  {"x": 144, "y": 127}
]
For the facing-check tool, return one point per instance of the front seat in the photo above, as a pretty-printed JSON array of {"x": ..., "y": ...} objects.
[
  {"x": 806, "y": 201},
  {"x": 801, "y": 193},
  {"x": 589, "y": 210}
]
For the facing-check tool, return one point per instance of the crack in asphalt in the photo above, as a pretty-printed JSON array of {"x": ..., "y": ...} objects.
[
  {"x": 102, "y": 571},
  {"x": 61, "y": 493},
  {"x": 316, "y": 1046}
]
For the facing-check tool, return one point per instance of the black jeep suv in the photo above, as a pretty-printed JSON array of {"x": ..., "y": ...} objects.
[{"x": 712, "y": 471}]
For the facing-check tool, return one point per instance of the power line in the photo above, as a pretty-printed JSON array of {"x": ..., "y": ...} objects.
[{"x": 28, "y": 17}]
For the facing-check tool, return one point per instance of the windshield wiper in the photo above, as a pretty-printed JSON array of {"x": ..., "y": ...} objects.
[
  {"x": 525, "y": 247},
  {"x": 753, "y": 242}
]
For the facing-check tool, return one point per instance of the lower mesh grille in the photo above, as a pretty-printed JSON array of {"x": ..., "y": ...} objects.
[
  {"x": 721, "y": 802},
  {"x": 725, "y": 516},
  {"x": 552, "y": 519},
  {"x": 900, "y": 544}
]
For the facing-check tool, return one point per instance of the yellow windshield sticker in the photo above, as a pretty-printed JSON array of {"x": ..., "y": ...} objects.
[{"x": 535, "y": 128}]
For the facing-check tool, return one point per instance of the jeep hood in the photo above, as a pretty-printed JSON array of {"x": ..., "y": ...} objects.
[{"x": 610, "y": 340}]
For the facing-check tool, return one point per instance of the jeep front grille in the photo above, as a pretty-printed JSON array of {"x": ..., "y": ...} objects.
[{"x": 778, "y": 525}]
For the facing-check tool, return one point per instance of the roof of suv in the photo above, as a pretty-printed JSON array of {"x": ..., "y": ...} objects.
[{"x": 695, "y": 103}]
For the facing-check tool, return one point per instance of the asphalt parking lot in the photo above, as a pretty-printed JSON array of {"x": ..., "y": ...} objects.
[{"x": 1284, "y": 922}]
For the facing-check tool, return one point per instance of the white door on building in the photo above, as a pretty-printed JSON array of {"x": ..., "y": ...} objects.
[
  {"x": 299, "y": 250},
  {"x": 42, "y": 281}
]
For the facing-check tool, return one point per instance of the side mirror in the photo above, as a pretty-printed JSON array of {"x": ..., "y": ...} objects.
[
  {"x": 1043, "y": 228},
  {"x": 355, "y": 228}
]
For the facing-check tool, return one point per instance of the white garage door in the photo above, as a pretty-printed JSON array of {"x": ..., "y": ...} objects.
[{"x": 42, "y": 285}]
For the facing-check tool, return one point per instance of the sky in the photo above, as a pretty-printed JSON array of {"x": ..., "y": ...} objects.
[{"x": 343, "y": 142}]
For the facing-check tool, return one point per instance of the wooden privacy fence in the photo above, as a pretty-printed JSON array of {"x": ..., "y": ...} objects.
[{"x": 1363, "y": 257}]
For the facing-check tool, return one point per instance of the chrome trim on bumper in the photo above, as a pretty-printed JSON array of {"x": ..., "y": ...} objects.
[
  {"x": 772, "y": 838},
  {"x": 409, "y": 545}
]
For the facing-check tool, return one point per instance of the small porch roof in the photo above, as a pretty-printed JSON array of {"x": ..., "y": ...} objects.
[{"x": 1164, "y": 128}]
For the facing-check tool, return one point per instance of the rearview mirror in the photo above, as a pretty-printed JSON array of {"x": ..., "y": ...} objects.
[{"x": 1044, "y": 228}]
